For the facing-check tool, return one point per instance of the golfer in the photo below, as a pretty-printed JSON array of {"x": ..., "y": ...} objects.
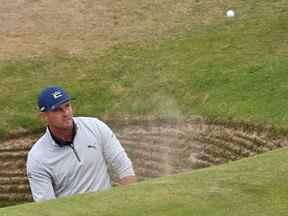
[{"x": 76, "y": 154}]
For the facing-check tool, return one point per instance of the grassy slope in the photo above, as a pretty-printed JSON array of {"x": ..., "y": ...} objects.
[
  {"x": 221, "y": 68},
  {"x": 254, "y": 186},
  {"x": 228, "y": 69}
]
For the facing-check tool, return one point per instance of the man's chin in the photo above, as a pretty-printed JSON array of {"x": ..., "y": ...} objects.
[{"x": 68, "y": 125}]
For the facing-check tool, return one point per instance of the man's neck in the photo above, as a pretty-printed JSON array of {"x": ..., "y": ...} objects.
[{"x": 66, "y": 135}]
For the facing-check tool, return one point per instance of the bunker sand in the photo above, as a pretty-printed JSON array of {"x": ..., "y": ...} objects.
[{"x": 156, "y": 147}]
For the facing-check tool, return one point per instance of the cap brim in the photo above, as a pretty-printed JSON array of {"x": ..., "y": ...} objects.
[{"x": 57, "y": 105}]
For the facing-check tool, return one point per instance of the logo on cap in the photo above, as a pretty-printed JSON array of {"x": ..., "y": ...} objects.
[{"x": 57, "y": 94}]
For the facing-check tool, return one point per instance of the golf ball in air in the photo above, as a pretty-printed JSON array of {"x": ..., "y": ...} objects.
[{"x": 230, "y": 13}]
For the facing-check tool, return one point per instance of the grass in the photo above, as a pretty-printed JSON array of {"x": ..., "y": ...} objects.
[
  {"x": 229, "y": 69},
  {"x": 254, "y": 186},
  {"x": 6, "y": 203}
]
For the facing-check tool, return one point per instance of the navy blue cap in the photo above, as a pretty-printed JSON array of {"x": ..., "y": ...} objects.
[{"x": 51, "y": 98}]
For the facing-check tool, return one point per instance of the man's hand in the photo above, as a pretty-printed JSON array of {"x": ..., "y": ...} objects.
[{"x": 126, "y": 181}]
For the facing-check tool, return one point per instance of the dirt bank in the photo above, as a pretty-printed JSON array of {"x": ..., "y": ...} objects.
[{"x": 157, "y": 148}]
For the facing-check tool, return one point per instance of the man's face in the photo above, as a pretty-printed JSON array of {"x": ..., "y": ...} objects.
[{"x": 61, "y": 118}]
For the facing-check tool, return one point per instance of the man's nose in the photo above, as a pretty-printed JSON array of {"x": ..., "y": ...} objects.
[{"x": 66, "y": 112}]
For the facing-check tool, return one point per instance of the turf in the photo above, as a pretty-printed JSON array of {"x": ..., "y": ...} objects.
[
  {"x": 209, "y": 65},
  {"x": 254, "y": 186},
  {"x": 233, "y": 69}
]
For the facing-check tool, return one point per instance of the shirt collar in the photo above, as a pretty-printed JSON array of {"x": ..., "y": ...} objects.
[{"x": 60, "y": 141}]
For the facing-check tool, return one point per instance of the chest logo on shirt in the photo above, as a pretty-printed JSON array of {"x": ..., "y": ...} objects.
[{"x": 92, "y": 146}]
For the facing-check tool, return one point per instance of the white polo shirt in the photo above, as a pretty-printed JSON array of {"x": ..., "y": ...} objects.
[{"x": 55, "y": 171}]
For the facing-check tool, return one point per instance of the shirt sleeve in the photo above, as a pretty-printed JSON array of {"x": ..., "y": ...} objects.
[
  {"x": 115, "y": 155},
  {"x": 39, "y": 180},
  {"x": 123, "y": 165}
]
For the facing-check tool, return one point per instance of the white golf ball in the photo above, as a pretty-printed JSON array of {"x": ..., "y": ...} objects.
[{"x": 230, "y": 13}]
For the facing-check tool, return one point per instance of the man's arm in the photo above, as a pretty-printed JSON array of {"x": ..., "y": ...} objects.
[
  {"x": 117, "y": 159},
  {"x": 39, "y": 181},
  {"x": 127, "y": 180},
  {"x": 122, "y": 169}
]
